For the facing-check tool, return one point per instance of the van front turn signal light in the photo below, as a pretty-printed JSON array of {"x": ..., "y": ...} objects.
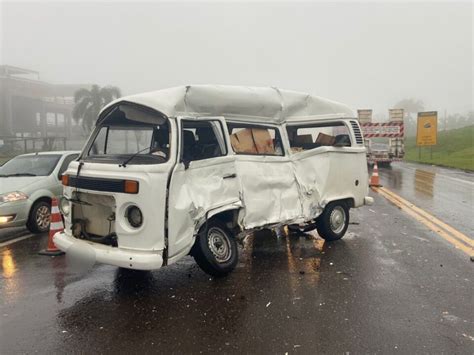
[{"x": 131, "y": 187}]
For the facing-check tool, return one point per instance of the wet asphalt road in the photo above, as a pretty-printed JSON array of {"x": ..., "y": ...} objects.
[
  {"x": 390, "y": 286},
  {"x": 446, "y": 193}
]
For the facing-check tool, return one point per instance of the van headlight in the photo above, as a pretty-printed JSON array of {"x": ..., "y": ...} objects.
[
  {"x": 64, "y": 206},
  {"x": 134, "y": 216}
]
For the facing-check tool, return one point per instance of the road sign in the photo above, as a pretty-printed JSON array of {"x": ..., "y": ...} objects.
[
  {"x": 365, "y": 116},
  {"x": 427, "y": 128},
  {"x": 385, "y": 129},
  {"x": 395, "y": 114}
]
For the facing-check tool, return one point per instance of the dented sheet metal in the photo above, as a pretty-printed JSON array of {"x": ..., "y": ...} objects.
[
  {"x": 328, "y": 174},
  {"x": 252, "y": 104},
  {"x": 197, "y": 193},
  {"x": 269, "y": 191}
]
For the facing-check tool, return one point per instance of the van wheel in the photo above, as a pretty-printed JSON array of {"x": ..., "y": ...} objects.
[
  {"x": 39, "y": 219},
  {"x": 216, "y": 250},
  {"x": 333, "y": 222}
]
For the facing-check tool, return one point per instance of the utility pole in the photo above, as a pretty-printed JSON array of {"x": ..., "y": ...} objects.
[{"x": 445, "y": 119}]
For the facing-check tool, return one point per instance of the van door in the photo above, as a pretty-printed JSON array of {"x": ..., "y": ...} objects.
[{"x": 204, "y": 180}]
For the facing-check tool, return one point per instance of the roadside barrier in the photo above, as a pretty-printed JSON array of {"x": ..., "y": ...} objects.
[
  {"x": 374, "y": 179},
  {"x": 56, "y": 225}
]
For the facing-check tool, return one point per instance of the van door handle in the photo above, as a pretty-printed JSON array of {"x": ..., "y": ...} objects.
[{"x": 230, "y": 176}]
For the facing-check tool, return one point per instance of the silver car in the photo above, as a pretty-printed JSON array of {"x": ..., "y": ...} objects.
[{"x": 27, "y": 184}]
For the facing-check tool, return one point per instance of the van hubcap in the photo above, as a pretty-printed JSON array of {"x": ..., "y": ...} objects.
[
  {"x": 219, "y": 245},
  {"x": 42, "y": 217},
  {"x": 337, "y": 219}
]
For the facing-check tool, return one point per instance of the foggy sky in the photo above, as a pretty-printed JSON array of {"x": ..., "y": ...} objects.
[{"x": 368, "y": 55}]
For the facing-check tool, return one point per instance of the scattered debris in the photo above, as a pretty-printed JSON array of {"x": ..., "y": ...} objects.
[{"x": 468, "y": 336}]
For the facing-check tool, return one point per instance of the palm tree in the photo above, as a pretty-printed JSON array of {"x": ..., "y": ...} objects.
[{"x": 88, "y": 103}]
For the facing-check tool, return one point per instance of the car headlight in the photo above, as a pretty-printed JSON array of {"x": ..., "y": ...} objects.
[
  {"x": 13, "y": 196},
  {"x": 134, "y": 216},
  {"x": 64, "y": 206}
]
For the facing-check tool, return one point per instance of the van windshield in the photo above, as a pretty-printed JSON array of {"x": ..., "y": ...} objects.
[
  {"x": 129, "y": 133},
  {"x": 116, "y": 143}
]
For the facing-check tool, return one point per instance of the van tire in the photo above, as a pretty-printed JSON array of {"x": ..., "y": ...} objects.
[
  {"x": 215, "y": 249},
  {"x": 333, "y": 222},
  {"x": 39, "y": 217}
]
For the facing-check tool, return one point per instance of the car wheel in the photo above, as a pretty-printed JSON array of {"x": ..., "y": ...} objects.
[
  {"x": 333, "y": 222},
  {"x": 39, "y": 219},
  {"x": 216, "y": 250}
]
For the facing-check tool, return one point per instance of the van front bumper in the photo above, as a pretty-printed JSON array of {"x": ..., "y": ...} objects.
[{"x": 126, "y": 258}]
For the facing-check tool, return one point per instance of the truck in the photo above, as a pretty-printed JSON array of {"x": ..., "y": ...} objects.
[{"x": 384, "y": 141}]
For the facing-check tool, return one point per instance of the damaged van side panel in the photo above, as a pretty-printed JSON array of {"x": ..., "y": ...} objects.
[
  {"x": 269, "y": 190},
  {"x": 325, "y": 175}
]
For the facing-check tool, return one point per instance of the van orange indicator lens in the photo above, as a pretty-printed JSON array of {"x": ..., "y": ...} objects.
[
  {"x": 131, "y": 187},
  {"x": 65, "y": 180}
]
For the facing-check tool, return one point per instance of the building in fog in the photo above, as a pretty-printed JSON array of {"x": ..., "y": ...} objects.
[{"x": 30, "y": 107}]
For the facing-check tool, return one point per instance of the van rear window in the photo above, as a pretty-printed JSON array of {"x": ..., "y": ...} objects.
[
  {"x": 305, "y": 137},
  {"x": 255, "y": 140}
]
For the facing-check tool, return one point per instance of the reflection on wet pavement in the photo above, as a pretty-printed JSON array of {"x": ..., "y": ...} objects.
[
  {"x": 289, "y": 293},
  {"x": 446, "y": 193},
  {"x": 424, "y": 181},
  {"x": 9, "y": 269},
  {"x": 144, "y": 303}
]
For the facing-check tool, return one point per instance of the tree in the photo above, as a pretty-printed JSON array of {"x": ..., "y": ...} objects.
[
  {"x": 410, "y": 106},
  {"x": 88, "y": 103}
]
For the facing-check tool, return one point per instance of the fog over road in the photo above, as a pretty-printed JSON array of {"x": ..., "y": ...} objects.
[{"x": 391, "y": 286}]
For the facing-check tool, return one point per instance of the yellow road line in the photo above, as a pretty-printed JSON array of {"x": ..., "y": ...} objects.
[
  {"x": 442, "y": 229},
  {"x": 457, "y": 234}
]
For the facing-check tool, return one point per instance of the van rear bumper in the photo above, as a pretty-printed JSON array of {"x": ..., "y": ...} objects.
[
  {"x": 368, "y": 201},
  {"x": 89, "y": 251}
]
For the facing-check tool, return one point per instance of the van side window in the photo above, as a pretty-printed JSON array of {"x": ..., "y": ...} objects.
[
  {"x": 305, "y": 137},
  {"x": 255, "y": 140},
  {"x": 202, "y": 140}
]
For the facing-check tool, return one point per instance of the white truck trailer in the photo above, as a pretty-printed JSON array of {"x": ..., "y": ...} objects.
[{"x": 393, "y": 148}]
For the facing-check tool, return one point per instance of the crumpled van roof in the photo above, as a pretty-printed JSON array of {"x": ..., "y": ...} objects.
[{"x": 242, "y": 103}]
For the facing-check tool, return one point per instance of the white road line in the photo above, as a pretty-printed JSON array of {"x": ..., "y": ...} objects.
[{"x": 11, "y": 241}]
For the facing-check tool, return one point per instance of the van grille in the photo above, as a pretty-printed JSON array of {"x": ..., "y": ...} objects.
[
  {"x": 357, "y": 132},
  {"x": 97, "y": 184}
]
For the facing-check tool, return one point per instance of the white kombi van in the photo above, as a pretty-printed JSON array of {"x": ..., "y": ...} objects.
[{"x": 186, "y": 170}]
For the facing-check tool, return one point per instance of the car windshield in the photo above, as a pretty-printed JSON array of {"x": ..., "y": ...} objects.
[{"x": 30, "y": 165}]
